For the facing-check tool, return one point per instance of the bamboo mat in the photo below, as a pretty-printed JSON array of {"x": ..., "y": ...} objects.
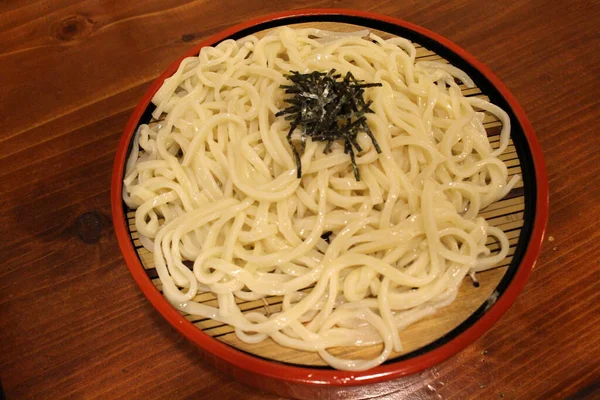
[{"x": 507, "y": 214}]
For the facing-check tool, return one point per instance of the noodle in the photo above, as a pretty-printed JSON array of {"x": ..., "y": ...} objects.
[{"x": 214, "y": 183}]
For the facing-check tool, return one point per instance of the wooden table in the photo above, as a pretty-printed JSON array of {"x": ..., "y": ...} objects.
[{"x": 72, "y": 321}]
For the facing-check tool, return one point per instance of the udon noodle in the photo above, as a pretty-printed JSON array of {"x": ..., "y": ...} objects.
[{"x": 219, "y": 205}]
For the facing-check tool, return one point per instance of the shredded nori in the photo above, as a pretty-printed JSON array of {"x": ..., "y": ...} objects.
[
  {"x": 326, "y": 236},
  {"x": 327, "y": 107}
]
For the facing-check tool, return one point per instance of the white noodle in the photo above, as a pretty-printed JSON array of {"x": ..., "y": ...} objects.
[{"x": 215, "y": 184}]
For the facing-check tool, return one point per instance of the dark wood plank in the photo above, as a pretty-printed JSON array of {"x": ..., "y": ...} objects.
[{"x": 73, "y": 323}]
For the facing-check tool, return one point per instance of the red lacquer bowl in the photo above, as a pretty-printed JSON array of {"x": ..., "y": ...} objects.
[{"x": 319, "y": 382}]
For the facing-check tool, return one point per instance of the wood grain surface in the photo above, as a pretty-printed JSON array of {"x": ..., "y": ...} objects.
[{"x": 73, "y": 324}]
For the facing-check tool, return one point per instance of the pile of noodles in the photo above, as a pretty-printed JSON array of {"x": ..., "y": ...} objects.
[{"x": 214, "y": 185}]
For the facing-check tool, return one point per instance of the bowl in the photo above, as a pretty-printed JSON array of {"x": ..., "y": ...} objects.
[{"x": 522, "y": 214}]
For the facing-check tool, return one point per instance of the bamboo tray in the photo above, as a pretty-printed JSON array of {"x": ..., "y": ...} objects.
[{"x": 515, "y": 214}]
